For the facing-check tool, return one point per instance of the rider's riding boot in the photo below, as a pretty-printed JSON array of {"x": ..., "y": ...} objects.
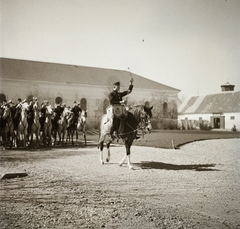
[
  {"x": 112, "y": 136},
  {"x": 68, "y": 125},
  {"x": 115, "y": 134}
]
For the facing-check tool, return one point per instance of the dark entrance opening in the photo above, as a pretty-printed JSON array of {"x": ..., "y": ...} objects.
[{"x": 216, "y": 122}]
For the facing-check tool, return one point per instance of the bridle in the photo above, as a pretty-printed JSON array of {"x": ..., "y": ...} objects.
[
  {"x": 143, "y": 124},
  {"x": 145, "y": 120}
]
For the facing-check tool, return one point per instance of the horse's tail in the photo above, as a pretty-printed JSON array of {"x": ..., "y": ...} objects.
[{"x": 102, "y": 129}]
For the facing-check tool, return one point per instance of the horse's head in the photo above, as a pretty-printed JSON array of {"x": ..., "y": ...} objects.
[
  {"x": 83, "y": 116},
  {"x": 6, "y": 112},
  {"x": 49, "y": 110},
  {"x": 145, "y": 118},
  {"x": 35, "y": 105},
  {"x": 82, "y": 120}
]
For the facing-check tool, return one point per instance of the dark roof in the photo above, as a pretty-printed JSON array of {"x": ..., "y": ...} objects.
[
  {"x": 225, "y": 102},
  {"x": 63, "y": 73}
]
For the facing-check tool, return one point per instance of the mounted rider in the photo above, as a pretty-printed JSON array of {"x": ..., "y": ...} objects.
[
  {"x": 117, "y": 111},
  {"x": 42, "y": 117},
  {"x": 74, "y": 115},
  {"x": 16, "y": 113},
  {"x": 30, "y": 113},
  {"x": 58, "y": 112},
  {"x": 2, "y": 120}
]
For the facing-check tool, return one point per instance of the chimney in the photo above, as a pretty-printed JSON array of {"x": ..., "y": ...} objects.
[{"x": 227, "y": 87}]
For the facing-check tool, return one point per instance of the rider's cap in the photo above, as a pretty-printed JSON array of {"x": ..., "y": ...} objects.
[
  {"x": 117, "y": 84},
  {"x": 19, "y": 100}
]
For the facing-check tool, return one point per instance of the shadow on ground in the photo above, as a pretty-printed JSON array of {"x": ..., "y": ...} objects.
[{"x": 160, "y": 165}]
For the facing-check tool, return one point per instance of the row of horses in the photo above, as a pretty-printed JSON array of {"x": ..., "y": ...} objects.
[{"x": 16, "y": 128}]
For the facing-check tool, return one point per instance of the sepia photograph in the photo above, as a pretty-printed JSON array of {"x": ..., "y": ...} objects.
[{"x": 120, "y": 114}]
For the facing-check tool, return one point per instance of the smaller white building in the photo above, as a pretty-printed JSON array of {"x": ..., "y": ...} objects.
[{"x": 221, "y": 111}]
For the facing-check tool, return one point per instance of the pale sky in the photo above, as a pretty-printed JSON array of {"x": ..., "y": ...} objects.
[{"x": 191, "y": 45}]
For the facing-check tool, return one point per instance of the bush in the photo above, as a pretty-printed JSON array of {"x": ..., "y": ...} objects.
[
  {"x": 164, "y": 123},
  {"x": 205, "y": 126},
  {"x": 234, "y": 128}
]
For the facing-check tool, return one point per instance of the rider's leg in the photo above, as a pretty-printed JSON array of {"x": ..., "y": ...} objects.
[{"x": 112, "y": 129}]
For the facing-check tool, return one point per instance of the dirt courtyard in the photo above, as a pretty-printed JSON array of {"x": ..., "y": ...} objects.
[{"x": 196, "y": 186}]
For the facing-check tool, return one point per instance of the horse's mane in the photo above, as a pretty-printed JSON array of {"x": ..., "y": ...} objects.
[{"x": 135, "y": 110}]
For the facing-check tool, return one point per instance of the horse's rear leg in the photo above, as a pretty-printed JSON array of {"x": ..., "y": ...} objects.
[
  {"x": 109, "y": 154},
  {"x": 84, "y": 137},
  {"x": 3, "y": 142},
  {"x": 11, "y": 141},
  {"x": 100, "y": 145}
]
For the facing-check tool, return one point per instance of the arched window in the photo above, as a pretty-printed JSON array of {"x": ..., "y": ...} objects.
[
  {"x": 165, "y": 110},
  {"x": 58, "y": 100},
  {"x": 83, "y": 104},
  {"x": 147, "y": 104},
  {"x": 105, "y": 105},
  {"x": 30, "y": 98},
  {"x": 2, "y": 98}
]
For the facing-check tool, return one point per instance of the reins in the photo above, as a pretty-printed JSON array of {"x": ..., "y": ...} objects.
[{"x": 139, "y": 127}]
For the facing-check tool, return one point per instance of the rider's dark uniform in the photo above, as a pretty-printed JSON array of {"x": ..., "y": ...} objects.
[
  {"x": 58, "y": 112},
  {"x": 75, "y": 115},
  {"x": 116, "y": 97},
  {"x": 42, "y": 116},
  {"x": 30, "y": 115}
]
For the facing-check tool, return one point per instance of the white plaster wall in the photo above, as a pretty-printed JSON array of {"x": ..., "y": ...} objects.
[
  {"x": 228, "y": 121},
  {"x": 14, "y": 89}
]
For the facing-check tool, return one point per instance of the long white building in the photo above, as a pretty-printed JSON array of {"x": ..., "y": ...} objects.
[{"x": 86, "y": 85}]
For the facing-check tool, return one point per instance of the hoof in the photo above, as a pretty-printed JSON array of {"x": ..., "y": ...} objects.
[
  {"x": 130, "y": 167},
  {"x": 107, "y": 160},
  {"x": 102, "y": 162},
  {"x": 120, "y": 164}
]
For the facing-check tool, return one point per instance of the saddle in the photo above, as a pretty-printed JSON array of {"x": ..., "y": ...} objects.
[{"x": 119, "y": 111}]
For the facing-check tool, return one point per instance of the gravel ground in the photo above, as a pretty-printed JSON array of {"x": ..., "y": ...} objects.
[{"x": 196, "y": 186}]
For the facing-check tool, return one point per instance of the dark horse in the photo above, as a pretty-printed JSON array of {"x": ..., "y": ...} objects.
[{"x": 138, "y": 118}]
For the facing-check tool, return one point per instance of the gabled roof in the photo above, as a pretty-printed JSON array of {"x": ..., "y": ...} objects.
[
  {"x": 63, "y": 73},
  {"x": 225, "y": 102}
]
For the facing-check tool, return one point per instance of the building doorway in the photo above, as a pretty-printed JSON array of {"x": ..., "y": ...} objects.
[{"x": 218, "y": 122}]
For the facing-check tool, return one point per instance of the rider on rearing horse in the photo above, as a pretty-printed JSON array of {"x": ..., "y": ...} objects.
[{"x": 116, "y": 98}]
